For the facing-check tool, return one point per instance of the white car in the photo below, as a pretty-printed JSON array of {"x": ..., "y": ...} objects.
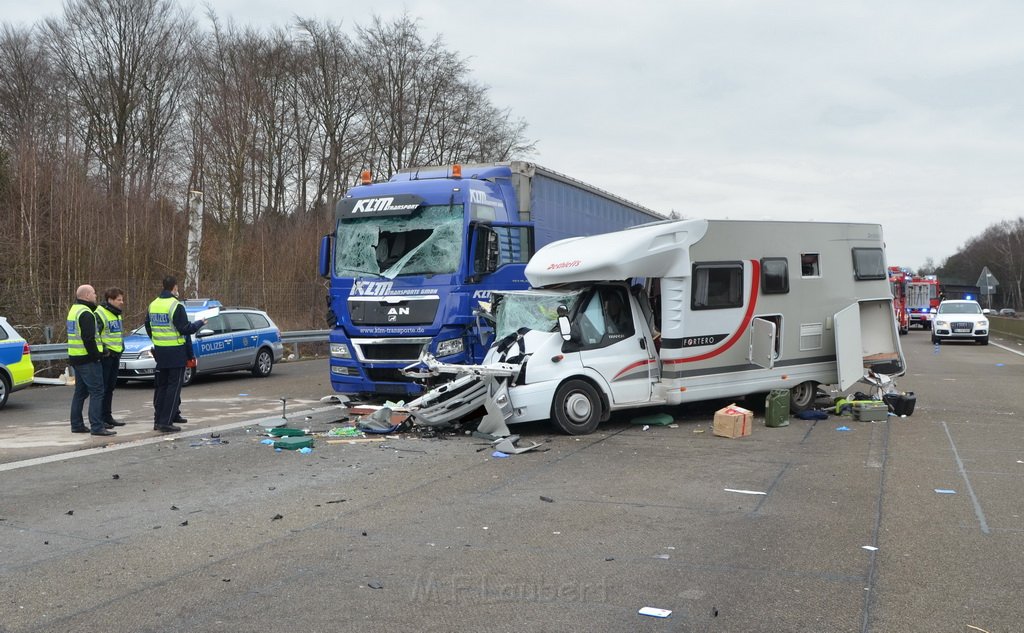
[{"x": 960, "y": 320}]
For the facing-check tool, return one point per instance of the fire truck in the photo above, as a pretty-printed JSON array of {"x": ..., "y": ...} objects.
[
  {"x": 922, "y": 300},
  {"x": 898, "y": 284}
]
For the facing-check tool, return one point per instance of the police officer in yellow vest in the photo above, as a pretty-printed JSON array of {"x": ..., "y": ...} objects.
[
  {"x": 167, "y": 325},
  {"x": 84, "y": 350},
  {"x": 112, "y": 338}
]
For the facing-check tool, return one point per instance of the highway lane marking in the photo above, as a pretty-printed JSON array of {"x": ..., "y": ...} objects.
[
  {"x": 48, "y": 459},
  {"x": 1019, "y": 353},
  {"x": 963, "y": 473}
]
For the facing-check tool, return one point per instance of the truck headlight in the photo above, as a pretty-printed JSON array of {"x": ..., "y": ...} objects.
[
  {"x": 340, "y": 350},
  {"x": 450, "y": 347}
]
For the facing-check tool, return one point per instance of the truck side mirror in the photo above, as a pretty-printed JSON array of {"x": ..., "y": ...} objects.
[
  {"x": 564, "y": 327},
  {"x": 324, "y": 260}
]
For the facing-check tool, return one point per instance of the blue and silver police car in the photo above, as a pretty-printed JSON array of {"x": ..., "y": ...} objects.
[
  {"x": 16, "y": 368},
  {"x": 233, "y": 339}
]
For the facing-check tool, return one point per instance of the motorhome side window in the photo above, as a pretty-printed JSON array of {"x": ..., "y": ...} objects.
[
  {"x": 868, "y": 263},
  {"x": 717, "y": 285},
  {"x": 774, "y": 275},
  {"x": 809, "y": 265}
]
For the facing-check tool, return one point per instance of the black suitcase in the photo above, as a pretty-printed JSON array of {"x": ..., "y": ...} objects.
[{"x": 901, "y": 403}]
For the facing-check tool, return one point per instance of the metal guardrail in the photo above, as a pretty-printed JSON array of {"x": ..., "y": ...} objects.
[{"x": 59, "y": 351}]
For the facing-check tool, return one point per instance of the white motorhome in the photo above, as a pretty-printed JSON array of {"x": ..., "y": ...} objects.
[{"x": 688, "y": 310}]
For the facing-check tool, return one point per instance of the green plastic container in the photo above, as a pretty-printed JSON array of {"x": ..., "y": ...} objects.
[
  {"x": 286, "y": 432},
  {"x": 776, "y": 408},
  {"x": 293, "y": 443}
]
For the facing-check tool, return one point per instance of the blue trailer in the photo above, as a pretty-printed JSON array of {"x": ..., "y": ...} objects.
[{"x": 411, "y": 259}]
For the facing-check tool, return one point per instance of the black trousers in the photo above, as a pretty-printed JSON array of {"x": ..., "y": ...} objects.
[
  {"x": 166, "y": 395},
  {"x": 110, "y": 366}
]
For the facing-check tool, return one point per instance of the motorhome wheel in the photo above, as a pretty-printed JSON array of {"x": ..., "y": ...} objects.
[
  {"x": 577, "y": 408},
  {"x": 801, "y": 397}
]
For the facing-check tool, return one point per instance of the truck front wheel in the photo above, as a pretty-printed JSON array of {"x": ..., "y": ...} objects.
[{"x": 577, "y": 408}]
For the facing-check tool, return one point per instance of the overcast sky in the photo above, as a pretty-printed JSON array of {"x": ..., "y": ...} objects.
[{"x": 906, "y": 113}]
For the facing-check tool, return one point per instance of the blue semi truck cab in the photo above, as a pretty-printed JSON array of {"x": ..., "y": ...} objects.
[{"x": 411, "y": 259}]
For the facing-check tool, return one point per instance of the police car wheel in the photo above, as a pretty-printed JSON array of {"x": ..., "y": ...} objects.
[
  {"x": 190, "y": 375},
  {"x": 264, "y": 364},
  {"x": 5, "y": 390},
  {"x": 577, "y": 408}
]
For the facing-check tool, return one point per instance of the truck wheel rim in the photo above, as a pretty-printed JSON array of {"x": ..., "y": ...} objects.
[{"x": 578, "y": 408}]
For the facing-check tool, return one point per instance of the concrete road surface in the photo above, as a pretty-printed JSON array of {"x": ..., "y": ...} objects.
[{"x": 417, "y": 534}]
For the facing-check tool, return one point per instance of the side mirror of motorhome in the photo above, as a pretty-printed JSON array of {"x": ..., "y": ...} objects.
[{"x": 564, "y": 327}]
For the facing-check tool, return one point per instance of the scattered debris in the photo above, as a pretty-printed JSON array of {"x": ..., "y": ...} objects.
[
  {"x": 844, "y": 428},
  {"x": 115, "y": 476},
  {"x": 870, "y": 548},
  {"x": 337, "y": 501},
  {"x": 655, "y": 612},
  {"x": 663, "y": 556},
  {"x": 174, "y": 507},
  {"x": 276, "y": 517},
  {"x": 70, "y": 512},
  {"x": 945, "y": 491},
  {"x": 647, "y": 427},
  {"x": 547, "y": 499},
  {"x": 375, "y": 584},
  {"x": 975, "y": 628},
  {"x": 508, "y": 445},
  {"x": 499, "y": 454},
  {"x": 184, "y": 523},
  {"x": 283, "y": 431},
  {"x": 345, "y": 431},
  {"x": 744, "y": 492}
]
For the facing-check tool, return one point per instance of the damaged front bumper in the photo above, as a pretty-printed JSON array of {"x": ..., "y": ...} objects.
[{"x": 474, "y": 387}]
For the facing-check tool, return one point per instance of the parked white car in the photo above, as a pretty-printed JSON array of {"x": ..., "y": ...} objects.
[{"x": 960, "y": 320}]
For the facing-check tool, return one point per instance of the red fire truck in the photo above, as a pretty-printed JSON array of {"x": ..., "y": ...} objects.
[
  {"x": 922, "y": 300},
  {"x": 898, "y": 283}
]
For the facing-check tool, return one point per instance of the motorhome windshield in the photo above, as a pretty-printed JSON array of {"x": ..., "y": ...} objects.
[
  {"x": 427, "y": 243},
  {"x": 534, "y": 310}
]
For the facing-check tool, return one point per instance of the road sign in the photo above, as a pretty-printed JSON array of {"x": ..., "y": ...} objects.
[{"x": 987, "y": 282}]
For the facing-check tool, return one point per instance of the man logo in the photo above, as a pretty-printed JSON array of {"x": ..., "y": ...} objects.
[{"x": 393, "y": 312}]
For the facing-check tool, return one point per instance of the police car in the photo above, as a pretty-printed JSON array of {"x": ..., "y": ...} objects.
[
  {"x": 16, "y": 368},
  {"x": 233, "y": 339}
]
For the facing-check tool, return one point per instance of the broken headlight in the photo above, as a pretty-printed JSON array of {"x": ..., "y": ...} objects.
[{"x": 450, "y": 347}]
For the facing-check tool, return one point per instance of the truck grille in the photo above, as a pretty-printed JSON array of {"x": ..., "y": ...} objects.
[{"x": 391, "y": 351}]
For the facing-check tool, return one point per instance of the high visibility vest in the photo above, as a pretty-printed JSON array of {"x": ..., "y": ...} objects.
[
  {"x": 161, "y": 322},
  {"x": 113, "y": 330},
  {"x": 76, "y": 346}
]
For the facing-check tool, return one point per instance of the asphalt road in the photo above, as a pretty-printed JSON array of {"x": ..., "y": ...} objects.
[{"x": 436, "y": 535}]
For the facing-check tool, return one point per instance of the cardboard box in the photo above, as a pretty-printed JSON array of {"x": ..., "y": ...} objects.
[{"x": 733, "y": 421}]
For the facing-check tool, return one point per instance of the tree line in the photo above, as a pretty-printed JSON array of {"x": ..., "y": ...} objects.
[
  {"x": 1000, "y": 247},
  {"x": 111, "y": 113}
]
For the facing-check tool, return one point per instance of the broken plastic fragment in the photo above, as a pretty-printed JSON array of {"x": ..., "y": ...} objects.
[
  {"x": 499, "y": 454},
  {"x": 945, "y": 491},
  {"x": 745, "y": 492},
  {"x": 843, "y": 428},
  {"x": 870, "y": 548},
  {"x": 655, "y": 612}
]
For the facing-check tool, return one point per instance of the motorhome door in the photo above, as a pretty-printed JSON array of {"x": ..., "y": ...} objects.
[
  {"x": 849, "y": 352},
  {"x": 762, "y": 342},
  {"x": 616, "y": 343}
]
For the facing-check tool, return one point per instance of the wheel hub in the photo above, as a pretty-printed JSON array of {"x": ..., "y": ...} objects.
[{"x": 578, "y": 408}]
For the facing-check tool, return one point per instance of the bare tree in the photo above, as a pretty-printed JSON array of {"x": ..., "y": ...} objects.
[{"x": 125, "y": 62}]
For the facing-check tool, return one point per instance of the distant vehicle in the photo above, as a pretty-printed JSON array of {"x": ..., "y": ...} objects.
[
  {"x": 1008, "y": 312},
  {"x": 898, "y": 285},
  {"x": 960, "y": 320},
  {"x": 236, "y": 339},
  {"x": 16, "y": 368},
  {"x": 987, "y": 311},
  {"x": 923, "y": 300}
]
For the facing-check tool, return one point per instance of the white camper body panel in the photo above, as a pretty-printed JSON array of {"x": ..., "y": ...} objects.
[{"x": 742, "y": 307}]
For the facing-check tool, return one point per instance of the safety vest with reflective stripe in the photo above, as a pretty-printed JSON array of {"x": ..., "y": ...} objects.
[
  {"x": 76, "y": 346},
  {"x": 113, "y": 331},
  {"x": 161, "y": 322}
]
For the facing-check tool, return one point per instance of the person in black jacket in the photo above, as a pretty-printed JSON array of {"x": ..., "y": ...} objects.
[
  {"x": 84, "y": 352},
  {"x": 168, "y": 327}
]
